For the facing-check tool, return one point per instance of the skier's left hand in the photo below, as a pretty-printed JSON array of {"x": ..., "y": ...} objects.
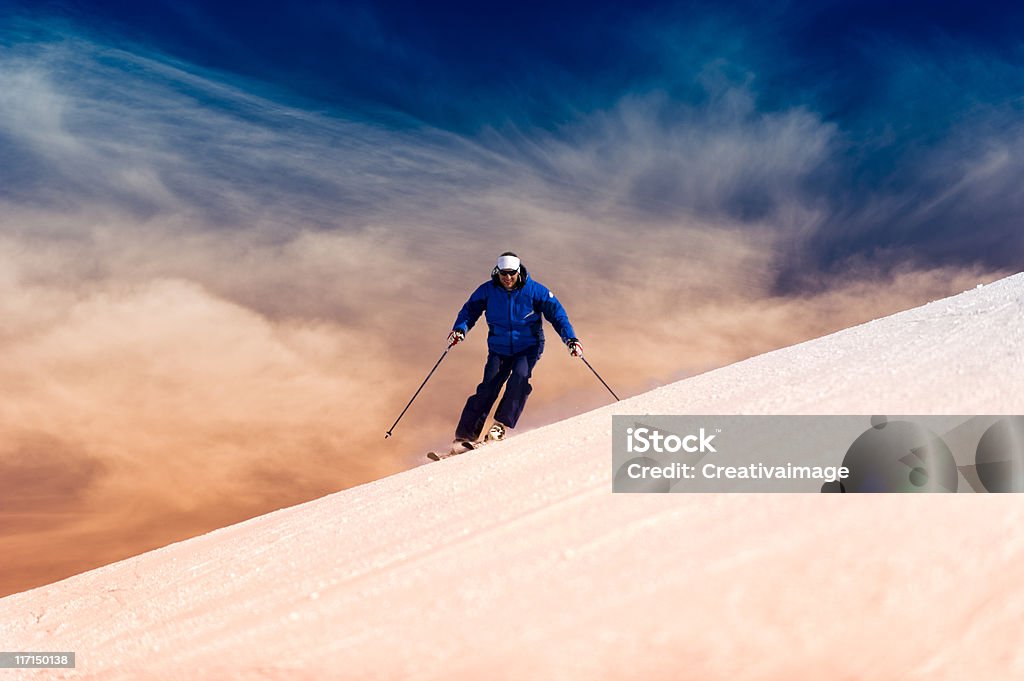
[{"x": 575, "y": 347}]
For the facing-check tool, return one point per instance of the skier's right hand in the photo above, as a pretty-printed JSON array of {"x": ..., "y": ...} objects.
[{"x": 455, "y": 337}]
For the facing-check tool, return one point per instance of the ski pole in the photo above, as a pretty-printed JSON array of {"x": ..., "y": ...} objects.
[
  {"x": 417, "y": 392},
  {"x": 599, "y": 378}
]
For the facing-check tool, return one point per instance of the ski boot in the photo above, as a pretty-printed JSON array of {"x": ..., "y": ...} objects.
[{"x": 496, "y": 433}]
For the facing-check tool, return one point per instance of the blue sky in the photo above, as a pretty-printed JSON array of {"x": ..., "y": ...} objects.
[
  {"x": 921, "y": 99},
  {"x": 233, "y": 237}
]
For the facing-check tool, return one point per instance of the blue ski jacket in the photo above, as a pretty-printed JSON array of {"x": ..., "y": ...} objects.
[{"x": 514, "y": 317}]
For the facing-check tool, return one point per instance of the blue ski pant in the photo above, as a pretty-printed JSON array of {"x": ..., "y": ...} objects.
[{"x": 516, "y": 370}]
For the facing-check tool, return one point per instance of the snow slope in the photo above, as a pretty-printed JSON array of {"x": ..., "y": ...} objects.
[{"x": 516, "y": 562}]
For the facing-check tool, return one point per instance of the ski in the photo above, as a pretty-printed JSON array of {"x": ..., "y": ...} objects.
[
  {"x": 468, "y": 446},
  {"x": 495, "y": 434}
]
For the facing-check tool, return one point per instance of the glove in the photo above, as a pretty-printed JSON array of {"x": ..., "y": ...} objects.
[
  {"x": 455, "y": 337},
  {"x": 575, "y": 347}
]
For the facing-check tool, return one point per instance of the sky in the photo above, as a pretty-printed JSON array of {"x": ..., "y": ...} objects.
[{"x": 233, "y": 239}]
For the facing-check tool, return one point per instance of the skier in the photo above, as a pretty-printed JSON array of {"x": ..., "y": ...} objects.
[{"x": 513, "y": 305}]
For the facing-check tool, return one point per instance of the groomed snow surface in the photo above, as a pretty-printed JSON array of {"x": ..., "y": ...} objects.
[{"x": 517, "y": 562}]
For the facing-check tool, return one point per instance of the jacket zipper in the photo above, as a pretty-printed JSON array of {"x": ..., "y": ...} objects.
[{"x": 511, "y": 342}]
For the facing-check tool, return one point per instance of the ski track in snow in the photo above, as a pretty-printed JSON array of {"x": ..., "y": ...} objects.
[{"x": 517, "y": 562}]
